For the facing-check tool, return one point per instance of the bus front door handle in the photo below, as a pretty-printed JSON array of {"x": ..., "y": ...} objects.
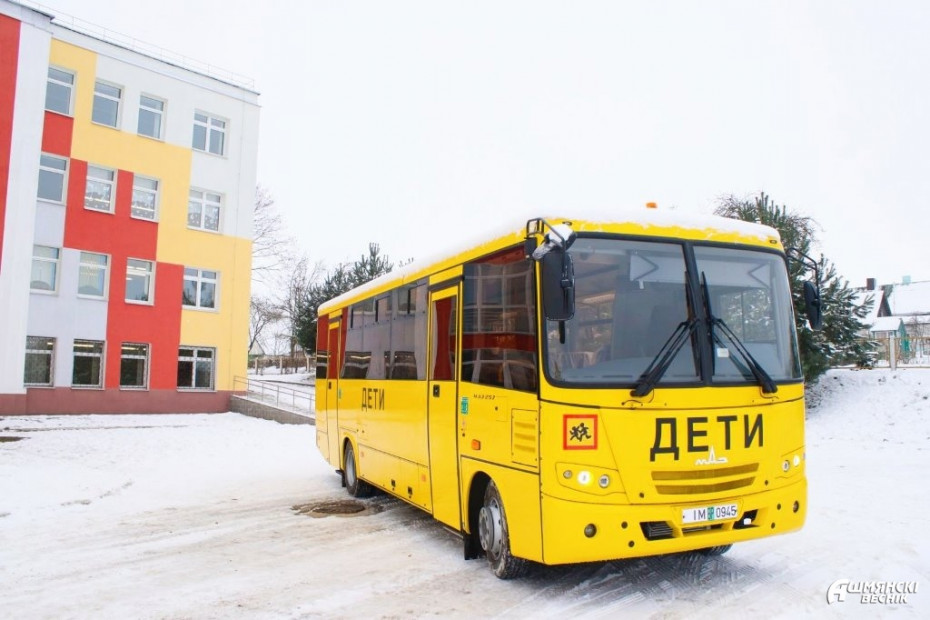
[{"x": 435, "y": 390}]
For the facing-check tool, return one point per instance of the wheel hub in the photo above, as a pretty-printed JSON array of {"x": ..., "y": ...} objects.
[{"x": 490, "y": 528}]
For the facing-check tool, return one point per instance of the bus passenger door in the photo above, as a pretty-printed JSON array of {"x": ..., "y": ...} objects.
[
  {"x": 442, "y": 409},
  {"x": 334, "y": 347}
]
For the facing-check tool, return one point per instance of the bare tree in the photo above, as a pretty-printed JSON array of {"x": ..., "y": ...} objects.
[
  {"x": 262, "y": 313},
  {"x": 271, "y": 246}
]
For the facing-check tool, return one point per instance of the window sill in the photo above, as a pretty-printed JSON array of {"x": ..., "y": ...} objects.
[
  {"x": 131, "y": 388},
  {"x": 92, "y": 297},
  {"x": 49, "y": 201},
  {"x": 135, "y": 302},
  {"x": 92, "y": 210},
  {"x": 206, "y": 230},
  {"x": 42, "y": 291},
  {"x": 197, "y": 390},
  {"x": 199, "y": 309},
  {"x": 114, "y": 127},
  {"x": 210, "y": 153},
  {"x": 155, "y": 138},
  {"x": 64, "y": 114},
  {"x": 153, "y": 220},
  {"x": 44, "y": 386},
  {"x": 98, "y": 388}
]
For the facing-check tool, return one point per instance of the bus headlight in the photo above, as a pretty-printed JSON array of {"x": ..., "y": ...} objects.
[
  {"x": 604, "y": 481},
  {"x": 584, "y": 477}
]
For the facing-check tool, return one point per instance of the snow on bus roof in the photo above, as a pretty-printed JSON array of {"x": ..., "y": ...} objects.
[{"x": 590, "y": 219}]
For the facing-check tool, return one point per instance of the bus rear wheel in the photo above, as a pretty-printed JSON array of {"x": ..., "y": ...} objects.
[
  {"x": 494, "y": 536},
  {"x": 355, "y": 487}
]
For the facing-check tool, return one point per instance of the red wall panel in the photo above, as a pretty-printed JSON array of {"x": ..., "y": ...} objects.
[
  {"x": 124, "y": 237},
  {"x": 9, "y": 61},
  {"x": 56, "y": 134}
]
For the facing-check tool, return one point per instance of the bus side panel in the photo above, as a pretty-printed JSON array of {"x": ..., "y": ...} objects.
[{"x": 520, "y": 493}]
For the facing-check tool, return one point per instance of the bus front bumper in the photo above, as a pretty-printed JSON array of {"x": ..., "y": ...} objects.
[{"x": 580, "y": 532}]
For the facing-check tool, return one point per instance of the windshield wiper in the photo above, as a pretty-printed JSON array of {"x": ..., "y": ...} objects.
[
  {"x": 664, "y": 358},
  {"x": 752, "y": 364}
]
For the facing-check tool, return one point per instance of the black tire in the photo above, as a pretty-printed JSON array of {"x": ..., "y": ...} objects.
[
  {"x": 355, "y": 487},
  {"x": 718, "y": 550},
  {"x": 495, "y": 537}
]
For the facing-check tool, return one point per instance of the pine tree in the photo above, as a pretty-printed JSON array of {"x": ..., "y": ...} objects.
[
  {"x": 341, "y": 279},
  {"x": 838, "y": 342}
]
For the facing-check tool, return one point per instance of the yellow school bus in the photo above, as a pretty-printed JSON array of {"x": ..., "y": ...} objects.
[{"x": 571, "y": 390}]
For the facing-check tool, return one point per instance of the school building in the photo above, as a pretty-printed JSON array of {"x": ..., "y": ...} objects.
[{"x": 127, "y": 185}]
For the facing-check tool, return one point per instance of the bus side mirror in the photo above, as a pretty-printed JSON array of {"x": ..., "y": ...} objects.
[
  {"x": 814, "y": 306},
  {"x": 558, "y": 285}
]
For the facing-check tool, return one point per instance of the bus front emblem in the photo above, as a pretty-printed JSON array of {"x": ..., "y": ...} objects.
[{"x": 712, "y": 459}]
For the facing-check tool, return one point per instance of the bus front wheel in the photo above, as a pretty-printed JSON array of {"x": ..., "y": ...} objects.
[
  {"x": 494, "y": 536},
  {"x": 355, "y": 487}
]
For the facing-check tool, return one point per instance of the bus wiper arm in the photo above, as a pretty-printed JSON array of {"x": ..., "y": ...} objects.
[
  {"x": 663, "y": 359},
  {"x": 768, "y": 385}
]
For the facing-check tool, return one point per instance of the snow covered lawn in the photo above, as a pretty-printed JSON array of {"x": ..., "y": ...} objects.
[{"x": 192, "y": 516}]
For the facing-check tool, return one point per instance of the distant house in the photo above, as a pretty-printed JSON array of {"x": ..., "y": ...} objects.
[
  {"x": 887, "y": 326},
  {"x": 910, "y": 302}
]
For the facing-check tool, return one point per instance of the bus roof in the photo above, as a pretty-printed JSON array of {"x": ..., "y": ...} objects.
[{"x": 645, "y": 222}]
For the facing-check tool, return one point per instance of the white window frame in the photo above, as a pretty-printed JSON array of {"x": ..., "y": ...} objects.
[
  {"x": 109, "y": 97},
  {"x": 203, "y": 199},
  {"x": 45, "y": 168},
  {"x": 149, "y": 275},
  {"x": 56, "y": 266},
  {"x": 124, "y": 356},
  {"x": 69, "y": 86},
  {"x": 194, "y": 359},
  {"x": 155, "y": 112},
  {"x": 105, "y": 267},
  {"x": 81, "y": 343},
  {"x": 51, "y": 361},
  {"x": 199, "y": 278},
  {"x": 138, "y": 211},
  {"x": 94, "y": 177},
  {"x": 210, "y": 123}
]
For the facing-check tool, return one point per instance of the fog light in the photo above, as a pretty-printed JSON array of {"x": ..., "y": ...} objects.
[
  {"x": 584, "y": 477},
  {"x": 604, "y": 481},
  {"x": 567, "y": 474},
  {"x": 590, "y": 530},
  {"x": 785, "y": 466},
  {"x": 796, "y": 507}
]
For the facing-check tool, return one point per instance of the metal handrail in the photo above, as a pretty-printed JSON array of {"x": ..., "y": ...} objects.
[{"x": 276, "y": 395}]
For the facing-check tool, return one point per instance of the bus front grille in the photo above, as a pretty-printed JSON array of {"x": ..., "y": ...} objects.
[{"x": 703, "y": 481}]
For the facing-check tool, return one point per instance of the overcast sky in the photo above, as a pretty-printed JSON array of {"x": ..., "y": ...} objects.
[{"x": 409, "y": 123}]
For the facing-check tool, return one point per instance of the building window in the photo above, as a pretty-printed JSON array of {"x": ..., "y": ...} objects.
[
  {"x": 39, "y": 357},
  {"x": 106, "y": 104},
  {"x": 133, "y": 365},
  {"x": 92, "y": 275},
  {"x": 139, "y": 277},
  {"x": 144, "y": 197},
  {"x": 45, "y": 261},
  {"x": 209, "y": 133},
  {"x": 52, "y": 171},
  {"x": 151, "y": 113},
  {"x": 199, "y": 288},
  {"x": 88, "y": 364},
  {"x": 58, "y": 91},
  {"x": 195, "y": 368},
  {"x": 203, "y": 210},
  {"x": 99, "y": 191}
]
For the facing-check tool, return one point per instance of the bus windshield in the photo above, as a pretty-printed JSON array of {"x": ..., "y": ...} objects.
[{"x": 633, "y": 296}]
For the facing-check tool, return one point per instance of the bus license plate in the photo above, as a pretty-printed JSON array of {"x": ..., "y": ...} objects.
[{"x": 722, "y": 512}]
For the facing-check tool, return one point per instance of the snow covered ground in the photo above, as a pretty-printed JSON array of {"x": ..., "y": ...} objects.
[{"x": 193, "y": 516}]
